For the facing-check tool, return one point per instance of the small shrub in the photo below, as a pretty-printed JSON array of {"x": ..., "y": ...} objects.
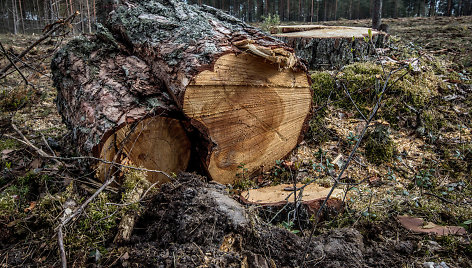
[
  {"x": 424, "y": 178},
  {"x": 270, "y": 21},
  {"x": 280, "y": 173},
  {"x": 243, "y": 182}
]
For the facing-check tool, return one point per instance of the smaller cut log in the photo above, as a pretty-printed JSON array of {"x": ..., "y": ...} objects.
[
  {"x": 330, "y": 46},
  {"x": 277, "y": 201},
  {"x": 116, "y": 110},
  {"x": 155, "y": 143}
]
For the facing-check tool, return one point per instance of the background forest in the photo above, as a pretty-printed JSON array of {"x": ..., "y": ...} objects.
[{"x": 30, "y": 16}]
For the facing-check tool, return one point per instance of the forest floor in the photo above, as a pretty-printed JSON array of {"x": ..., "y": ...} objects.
[{"x": 415, "y": 161}]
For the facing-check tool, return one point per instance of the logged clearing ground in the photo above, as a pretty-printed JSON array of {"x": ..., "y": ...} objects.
[{"x": 415, "y": 160}]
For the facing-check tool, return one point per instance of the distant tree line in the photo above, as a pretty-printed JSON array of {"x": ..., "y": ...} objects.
[
  {"x": 26, "y": 16},
  {"x": 31, "y": 16},
  {"x": 324, "y": 10}
]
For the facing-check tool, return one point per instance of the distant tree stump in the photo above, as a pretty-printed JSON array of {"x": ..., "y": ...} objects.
[
  {"x": 330, "y": 46},
  {"x": 163, "y": 79}
]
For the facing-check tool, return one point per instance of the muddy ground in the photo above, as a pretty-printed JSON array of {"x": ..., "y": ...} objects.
[{"x": 416, "y": 160}]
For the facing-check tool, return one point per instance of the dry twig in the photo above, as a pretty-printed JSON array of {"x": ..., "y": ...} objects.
[
  {"x": 48, "y": 33},
  {"x": 79, "y": 210},
  {"x": 14, "y": 65}
]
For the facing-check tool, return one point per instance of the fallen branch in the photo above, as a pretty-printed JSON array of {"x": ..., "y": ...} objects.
[
  {"x": 24, "y": 64},
  {"x": 65, "y": 221},
  {"x": 49, "y": 32},
  {"x": 56, "y": 158},
  {"x": 27, "y": 142},
  {"x": 14, "y": 65},
  {"x": 128, "y": 218},
  {"x": 440, "y": 198}
]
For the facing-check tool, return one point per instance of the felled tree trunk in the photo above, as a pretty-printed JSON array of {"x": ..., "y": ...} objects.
[
  {"x": 112, "y": 103},
  {"x": 162, "y": 75},
  {"x": 330, "y": 46}
]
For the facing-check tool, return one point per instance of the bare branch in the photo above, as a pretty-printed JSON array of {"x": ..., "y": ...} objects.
[
  {"x": 16, "y": 67},
  {"x": 57, "y": 158},
  {"x": 27, "y": 142},
  {"x": 355, "y": 105},
  {"x": 65, "y": 221},
  {"x": 49, "y": 32}
]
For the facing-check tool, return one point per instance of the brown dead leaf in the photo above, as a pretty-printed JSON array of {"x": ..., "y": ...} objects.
[
  {"x": 5, "y": 153},
  {"x": 418, "y": 225},
  {"x": 375, "y": 181},
  {"x": 36, "y": 163},
  {"x": 31, "y": 206}
]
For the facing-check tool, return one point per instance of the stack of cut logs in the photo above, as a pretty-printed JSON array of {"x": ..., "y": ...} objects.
[{"x": 163, "y": 84}]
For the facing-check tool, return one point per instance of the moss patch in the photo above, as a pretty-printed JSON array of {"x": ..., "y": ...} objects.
[
  {"x": 8, "y": 144},
  {"x": 379, "y": 147},
  {"x": 364, "y": 82}
]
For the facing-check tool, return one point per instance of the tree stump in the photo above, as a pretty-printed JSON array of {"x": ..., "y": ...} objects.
[
  {"x": 330, "y": 46},
  {"x": 162, "y": 79}
]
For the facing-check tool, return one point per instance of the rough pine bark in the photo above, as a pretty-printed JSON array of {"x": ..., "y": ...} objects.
[{"x": 238, "y": 96}]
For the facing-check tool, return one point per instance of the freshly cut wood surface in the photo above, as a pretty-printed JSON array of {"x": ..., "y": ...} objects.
[
  {"x": 319, "y": 31},
  {"x": 157, "y": 143},
  {"x": 274, "y": 195},
  {"x": 253, "y": 111},
  {"x": 294, "y": 28}
]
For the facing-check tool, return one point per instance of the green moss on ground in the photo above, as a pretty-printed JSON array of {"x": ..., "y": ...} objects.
[
  {"x": 379, "y": 146},
  {"x": 364, "y": 82},
  {"x": 7, "y": 143},
  {"x": 323, "y": 86}
]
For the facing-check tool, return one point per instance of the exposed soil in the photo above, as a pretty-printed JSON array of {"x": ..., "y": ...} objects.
[{"x": 193, "y": 223}]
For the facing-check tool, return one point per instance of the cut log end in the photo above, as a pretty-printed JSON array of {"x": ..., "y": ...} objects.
[
  {"x": 156, "y": 143},
  {"x": 253, "y": 111},
  {"x": 278, "y": 202},
  {"x": 283, "y": 193}
]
